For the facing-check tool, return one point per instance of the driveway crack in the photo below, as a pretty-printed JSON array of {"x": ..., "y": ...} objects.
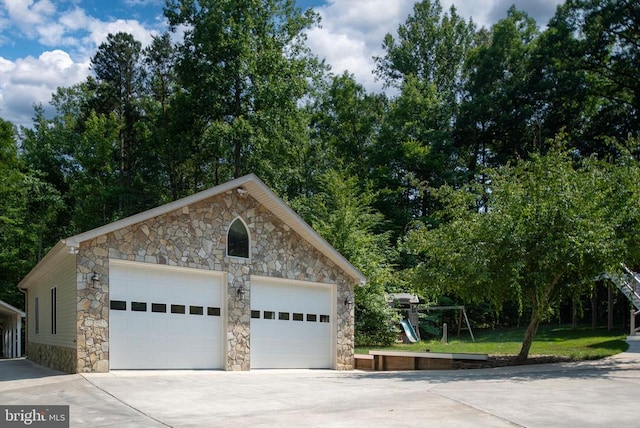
[
  {"x": 436, "y": 392},
  {"x": 127, "y": 404}
]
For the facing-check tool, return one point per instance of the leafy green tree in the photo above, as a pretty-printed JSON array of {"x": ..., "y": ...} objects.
[
  {"x": 76, "y": 152},
  {"x": 609, "y": 38},
  {"x": 165, "y": 113},
  {"x": 584, "y": 71},
  {"x": 12, "y": 210},
  {"x": 97, "y": 150},
  {"x": 497, "y": 122},
  {"x": 424, "y": 62},
  {"x": 548, "y": 229},
  {"x": 430, "y": 47},
  {"x": 344, "y": 124},
  {"x": 119, "y": 79},
  {"x": 342, "y": 214},
  {"x": 28, "y": 207},
  {"x": 246, "y": 69}
]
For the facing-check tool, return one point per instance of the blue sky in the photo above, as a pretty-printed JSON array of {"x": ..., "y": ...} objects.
[{"x": 45, "y": 44}]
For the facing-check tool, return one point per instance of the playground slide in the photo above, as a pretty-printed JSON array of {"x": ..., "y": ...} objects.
[{"x": 409, "y": 331}]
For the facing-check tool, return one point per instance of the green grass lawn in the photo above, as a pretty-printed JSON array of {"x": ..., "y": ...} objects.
[{"x": 581, "y": 344}]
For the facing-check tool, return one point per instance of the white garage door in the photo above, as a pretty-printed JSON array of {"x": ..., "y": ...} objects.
[
  {"x": 164, "y": 318},
  {"x": 292, "y": 325}
]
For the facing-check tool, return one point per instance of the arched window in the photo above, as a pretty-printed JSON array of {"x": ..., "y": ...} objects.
[{"x": 238, "y": 240}]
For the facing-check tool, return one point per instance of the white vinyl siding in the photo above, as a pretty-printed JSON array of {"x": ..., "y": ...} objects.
[{"x": 63, "y": 333}]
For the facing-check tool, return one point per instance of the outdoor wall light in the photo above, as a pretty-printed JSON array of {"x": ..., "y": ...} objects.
[
  {"x": 348, "y": 301},
  {"x": 240, "y": 293},
  {"x": 95, "y": 279}
]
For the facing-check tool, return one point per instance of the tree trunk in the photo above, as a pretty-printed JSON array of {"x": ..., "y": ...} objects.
[
  {"x": 594, "y": 309},
  {"x": 609, "y": 307},
  {"x": 532, "y": 329},
  {"x": 538, "y": 305}
]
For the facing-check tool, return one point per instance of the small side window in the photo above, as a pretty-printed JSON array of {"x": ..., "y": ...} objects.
[
  {"x": 324, "y": 318},
  {"x": 255, "y": 314},
  {"x": 213, "y": 312},
  {"x": 298, "y": 317},
  {"x": 312, "y": 317},
  {"x": 269, "y": 315},
  {"x": 36, "y": 304},
  {"x": 54, "y": 310},
  {"x": 238, "y": 240}
]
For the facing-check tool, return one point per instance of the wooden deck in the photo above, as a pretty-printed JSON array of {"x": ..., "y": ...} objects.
[{"x": 400, "y": 360}]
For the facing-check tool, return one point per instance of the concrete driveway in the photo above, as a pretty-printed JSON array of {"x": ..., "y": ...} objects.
[{"x": 598, "y": 393}]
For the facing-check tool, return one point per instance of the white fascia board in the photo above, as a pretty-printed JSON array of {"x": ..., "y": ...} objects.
[
  {"x": 50, "y": 261},
  {"x": 74, "y": 241},
  {"x": 293, "y": 220},
  {"x": 7, "y": 309},
  {"x": 258, "y": 190}
]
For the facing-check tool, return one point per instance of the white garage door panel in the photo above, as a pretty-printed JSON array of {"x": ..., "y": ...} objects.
[
  {"x": 164, "y": 340},
  {"x": 277, "y": 343}
]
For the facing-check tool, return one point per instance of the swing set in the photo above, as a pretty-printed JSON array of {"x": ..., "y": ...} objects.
[{"x": 461, "y": 312}]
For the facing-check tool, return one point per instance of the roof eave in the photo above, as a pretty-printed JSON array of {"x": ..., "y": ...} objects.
[
  {"x": 74, "y": 241},
  {"x": 260, "y": 192},
  {"x": 45, "y": 265},
  {"x": 7, "y": 309}
]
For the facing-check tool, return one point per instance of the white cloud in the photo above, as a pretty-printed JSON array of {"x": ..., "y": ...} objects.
[
  {"x": 352, "y": 31},
  {"x": 351, "y": 34},
  {"x": 28, "y": 81},
  {"x": 134, "y": 3},
  {"x": 75, "y": 19},
  {"x": 27, "y": 14},
  {"x": 478, "y": 10},
  {"x": 99, "y": 30}
]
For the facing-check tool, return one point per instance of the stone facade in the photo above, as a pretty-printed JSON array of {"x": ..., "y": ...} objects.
[
  {"x": 195, "y": 236},
  {"x": 54, "y": 357}
]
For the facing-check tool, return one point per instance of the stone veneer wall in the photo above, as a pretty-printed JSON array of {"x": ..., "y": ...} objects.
[
  {"x": 195, "y": 236},
  {"x": 54, "y": 357}
]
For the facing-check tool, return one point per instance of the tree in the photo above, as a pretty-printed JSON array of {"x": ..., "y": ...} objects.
[
  {"x": 609, "y": 37},
  {"x": 12, "y": 208},
  {"x": 497, "y": 121},
  {"x": 341, "y": 213},
  {"x": 430, "y": 47},
  {"x": 119, "y": 79},
  {"x": 165, "y": 115},
  {"x": 28, "y": 207},
  {"x": 424, "y": 62},
  {"x": 244, "y": 69},
  {"x": 344, "y": 124},
  {"x": 547, "y": 231},
  {"x": 585, "y": 66}
]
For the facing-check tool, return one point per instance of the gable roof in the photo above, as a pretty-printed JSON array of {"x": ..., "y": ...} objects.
[{"x": 250, "y": 184}]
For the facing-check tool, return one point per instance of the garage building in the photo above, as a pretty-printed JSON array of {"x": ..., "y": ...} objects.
[{"x": 229, "y": 278}]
